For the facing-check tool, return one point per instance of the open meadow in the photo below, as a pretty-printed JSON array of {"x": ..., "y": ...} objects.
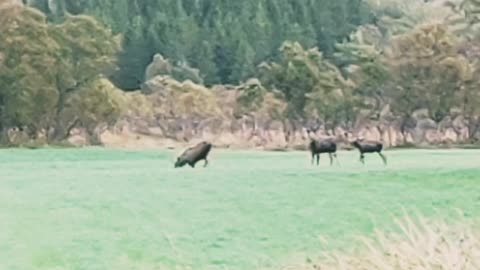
[{"x": 97, "y": 208}]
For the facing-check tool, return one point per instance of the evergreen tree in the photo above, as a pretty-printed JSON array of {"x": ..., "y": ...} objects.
[{"x": 180, "y": 30}]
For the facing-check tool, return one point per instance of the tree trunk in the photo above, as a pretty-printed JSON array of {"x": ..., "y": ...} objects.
[
  {"x": 381, "y": 131},
  {"x": 253, "y": 128},
  {"x": 404, "y": 135},
  {"x": 4, "y": 138},
  {"x": 59, "y": 133},
  {"x": 403, "y": 129},
  {"x": 32, "y": 132},
  {"x": 94, "y": 137},
  {"x": 473, "y": 126},
  {"x": 286, "y": 133}
]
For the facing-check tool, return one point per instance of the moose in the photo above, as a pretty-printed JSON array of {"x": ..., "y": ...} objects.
[
  {"x": 319, "y": 146},
  {"x": 364, "y": 147},
  {"x": 194, "y": 154}
]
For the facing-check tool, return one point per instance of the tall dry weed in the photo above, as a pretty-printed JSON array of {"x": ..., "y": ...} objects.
[{"x": 414, "y": 244}]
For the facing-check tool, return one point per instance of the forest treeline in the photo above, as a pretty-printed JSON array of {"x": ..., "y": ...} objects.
[
  {"x": 302, "y": 63},
  {"x": 224, "y": 39}
]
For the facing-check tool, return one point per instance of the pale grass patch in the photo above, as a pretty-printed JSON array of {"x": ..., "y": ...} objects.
[{"x": 415, "y": 244}]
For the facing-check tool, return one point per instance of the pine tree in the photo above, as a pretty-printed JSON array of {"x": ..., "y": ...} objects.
[{"x": 177, "y": 28}]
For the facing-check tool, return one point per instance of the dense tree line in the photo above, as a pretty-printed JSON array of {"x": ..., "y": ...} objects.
[
  {"x": 224, "y": 39},
  {"x": 414, "y": 56},
  {"x": 428, "y": 65}
]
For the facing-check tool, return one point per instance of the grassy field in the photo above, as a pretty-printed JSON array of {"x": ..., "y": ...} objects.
[{"x": 113, "y": 209}]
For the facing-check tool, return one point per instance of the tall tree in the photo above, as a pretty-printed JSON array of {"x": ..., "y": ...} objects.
[
  {"x": 427, "y": 72},
  {"x": 46, "y": 64},
  {"x": 312, "y": 86}
]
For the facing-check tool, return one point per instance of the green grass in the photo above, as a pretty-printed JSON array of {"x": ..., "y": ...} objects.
[{"x": 113, "y": 209}]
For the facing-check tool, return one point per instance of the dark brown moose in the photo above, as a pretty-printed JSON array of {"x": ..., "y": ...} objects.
[{"x": 194, "y": 154}]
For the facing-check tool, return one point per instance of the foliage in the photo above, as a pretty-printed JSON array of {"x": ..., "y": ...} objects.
[
  {"x": 363, "y": 63},
  {"x": 400, "y": 16},
  {"x": 100, "y": 104},
  {"x": 23, "y": 86},
  {"x": 331, "y": 62},
  {"x": 251, "y": 96},
  {"x": 179, "y": 105},
  {"x": 465, "y": 18},
  {"x": 469, "y": 94},
  {"x": 255, "y": 101},
  {"x": 428, "y": 72},
  {"x": 137, "y": 105},
  {"x": 224, "y": 39},
  {"x": 273, "y": 106},
  {"x": 188, "y": 100},
  {"x": 162, "y": 66},
  {"x": 313, "y": 86},
  {"x": 44, "y": 64}
]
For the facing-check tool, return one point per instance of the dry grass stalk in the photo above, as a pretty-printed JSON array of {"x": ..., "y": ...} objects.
[{"x": 417, "y": 244}]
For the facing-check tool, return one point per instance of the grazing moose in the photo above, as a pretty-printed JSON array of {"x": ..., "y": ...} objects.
[
  {"x": 369, "y": 147},
  {"x": 194, "y": 154},
  {"x": 319, "y": 146}
]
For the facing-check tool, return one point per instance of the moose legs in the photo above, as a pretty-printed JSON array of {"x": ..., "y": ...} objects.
[
  {"x": 335, "y": 156},
  {"x": 192, "y": 164},
  {"x": 362, "y": 158},
  {"x": 384, "y": 158},
  {"x": 330, "y": 156},
  {"x": 313, "y": 158}
]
